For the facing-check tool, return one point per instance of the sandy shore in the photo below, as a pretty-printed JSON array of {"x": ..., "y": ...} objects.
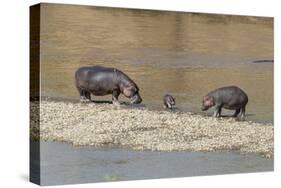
[{"x": 143, "y": 129}]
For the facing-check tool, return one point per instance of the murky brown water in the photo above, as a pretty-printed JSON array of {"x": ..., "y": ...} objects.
[{"x": 184, "y": 54}]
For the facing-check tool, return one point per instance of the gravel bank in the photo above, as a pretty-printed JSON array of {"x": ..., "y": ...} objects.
[{"x": 143, "y": 129}]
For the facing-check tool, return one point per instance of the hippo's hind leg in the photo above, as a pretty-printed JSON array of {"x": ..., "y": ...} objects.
[
  {"x": 115, "y": 95},
  {"x": 88, "y": 95},
  {"x": 83, "y": 95},
  {"x": 243, "y": 111},
  {"x": 236, "y": 112}
]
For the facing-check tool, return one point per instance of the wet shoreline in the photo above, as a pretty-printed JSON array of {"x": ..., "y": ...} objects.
[{"x": 143, "y": 129}]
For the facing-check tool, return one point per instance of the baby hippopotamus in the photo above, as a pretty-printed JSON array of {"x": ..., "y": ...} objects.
[
  {"x": 100, "y": 81},
  {"x": 231, "y": 97},
  {"x": 169, "y": 101}
]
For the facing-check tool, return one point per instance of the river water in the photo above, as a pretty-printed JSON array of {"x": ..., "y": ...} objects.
[
  {"x": 184, "y": 54},
  {"x": 64, "y": 164}
]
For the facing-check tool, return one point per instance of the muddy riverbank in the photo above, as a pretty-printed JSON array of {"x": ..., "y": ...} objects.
[{"x": 143, "y": 129}]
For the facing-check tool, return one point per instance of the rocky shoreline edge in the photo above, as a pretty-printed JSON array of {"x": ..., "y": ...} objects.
[{"x": 143, "y": 129}]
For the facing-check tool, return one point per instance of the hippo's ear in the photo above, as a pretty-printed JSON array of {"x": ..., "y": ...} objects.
[{"x": 205, "y": 98}]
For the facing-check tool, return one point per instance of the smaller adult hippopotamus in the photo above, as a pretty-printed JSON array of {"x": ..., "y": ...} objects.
[
  {"x": 231, "y": 97},
  {"x": 100, "y": 81},
  {"x": 169, "y": 101}
]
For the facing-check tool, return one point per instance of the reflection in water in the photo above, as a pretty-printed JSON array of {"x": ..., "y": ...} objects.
[{"x": 181, "y": 53}]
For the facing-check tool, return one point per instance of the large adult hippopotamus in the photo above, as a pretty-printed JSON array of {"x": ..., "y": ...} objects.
[
  {"x": 230, "y": 97},
  {"x": 100, "y": 81}
]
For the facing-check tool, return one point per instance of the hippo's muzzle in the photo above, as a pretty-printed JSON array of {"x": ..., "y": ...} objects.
[
  {"x": 204, "y": 108},
  {"x": 136, "y": 99}
]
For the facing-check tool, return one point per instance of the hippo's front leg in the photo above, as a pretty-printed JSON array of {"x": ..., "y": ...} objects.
[
  {"x": 115, "y": 95},
  {"x": 217, "y": 112}
]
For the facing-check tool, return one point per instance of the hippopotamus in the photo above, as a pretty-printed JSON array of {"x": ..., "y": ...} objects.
[
  {"x": 168, "y": 101},
  {"x": 230, "y": 97},
  {"x": 100, "y": 81}
]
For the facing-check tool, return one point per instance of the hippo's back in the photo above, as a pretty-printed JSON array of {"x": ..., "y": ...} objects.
[
  {"x": 230, "y": 94},
  {"x": 85, "y": 71},
  {"x": 88, "y": 77}
]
